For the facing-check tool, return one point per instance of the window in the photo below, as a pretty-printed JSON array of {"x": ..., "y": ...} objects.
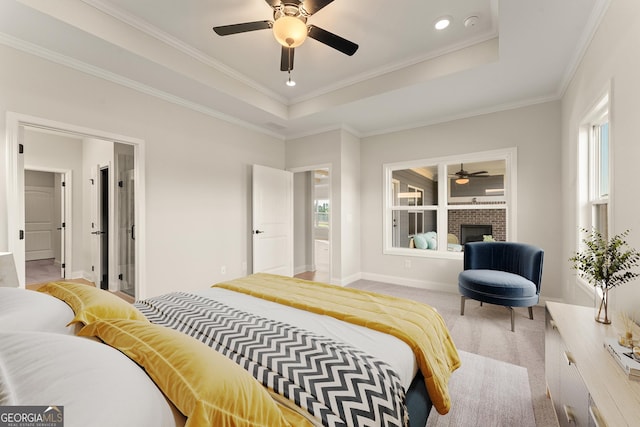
[
  {"x": 439, "y": 215},
  {"x": 321, "y": 210},
  {"x": 594, "y": 185},
  {"x": 600, "y": 176}
]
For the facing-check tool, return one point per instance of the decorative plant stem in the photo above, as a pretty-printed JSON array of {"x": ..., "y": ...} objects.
[{"x": 604, "y": 305}]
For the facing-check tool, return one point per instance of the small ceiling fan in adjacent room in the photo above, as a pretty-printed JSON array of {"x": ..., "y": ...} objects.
[
  {"x": 462, "y": 176},
  {"x": 290, "y": 28}
]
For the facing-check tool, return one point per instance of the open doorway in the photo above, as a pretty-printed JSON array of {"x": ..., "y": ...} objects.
[
  {"x": 312, "y": 224},
  {"x": 36, "y": 143},
  {"x": 45, "y": 225},
  {"x": 102, "y": 233}
]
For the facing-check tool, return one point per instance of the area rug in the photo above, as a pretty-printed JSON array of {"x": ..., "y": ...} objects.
[{"x": 487, "y": 392}]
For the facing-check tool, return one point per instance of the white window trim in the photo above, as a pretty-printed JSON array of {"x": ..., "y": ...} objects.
[
  {"x": 585, "y": 199},
  {"x": 510, "y": 184}
]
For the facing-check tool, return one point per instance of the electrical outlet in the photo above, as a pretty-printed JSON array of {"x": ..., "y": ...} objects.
[
  {"x": 407, "y": 263},
  {"x": 223, "y": 269}
]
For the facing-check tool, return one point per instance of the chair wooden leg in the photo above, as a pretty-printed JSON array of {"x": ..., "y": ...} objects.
[
  {"x": 531, "y": 313},
  {"x": 513, "y": 319},
  {"x": 462, "y": 300}
]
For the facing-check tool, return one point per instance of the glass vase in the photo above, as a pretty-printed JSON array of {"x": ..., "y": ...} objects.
[{"x": 601, "y": 301}]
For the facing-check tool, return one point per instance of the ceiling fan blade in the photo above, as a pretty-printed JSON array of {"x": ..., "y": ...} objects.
[
  {"x": 225, "y": 30},
  {"x": 323, "y": 36},
  {"x": 286, "y": 59},
  {"x": 312, "y": 6},
  {"x": 477, "y": 173}
]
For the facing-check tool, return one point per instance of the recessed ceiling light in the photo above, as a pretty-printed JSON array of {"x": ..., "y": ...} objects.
[{"x": 442, "y": 22}]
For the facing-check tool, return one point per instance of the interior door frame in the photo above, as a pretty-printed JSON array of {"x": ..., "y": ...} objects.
[
  {"x": 312, "y": 234},
  {"x": 15, "y": 122},
  {"x": 66, "y": 238},
  {"x": 103, "y": 244}
]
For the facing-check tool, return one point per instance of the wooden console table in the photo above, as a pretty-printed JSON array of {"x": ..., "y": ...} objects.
[{"x": 585, "y": 383}]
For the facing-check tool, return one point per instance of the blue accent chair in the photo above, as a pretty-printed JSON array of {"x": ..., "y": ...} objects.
[{"x": 501, "y": 273}]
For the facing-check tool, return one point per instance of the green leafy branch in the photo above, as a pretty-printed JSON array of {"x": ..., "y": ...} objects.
[{"x": 607, "y": 263}]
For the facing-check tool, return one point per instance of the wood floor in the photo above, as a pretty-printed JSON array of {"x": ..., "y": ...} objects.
[{"x": 321, "y": 273}]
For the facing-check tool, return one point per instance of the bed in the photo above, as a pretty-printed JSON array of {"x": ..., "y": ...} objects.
[{"x": 260, "y": 350}]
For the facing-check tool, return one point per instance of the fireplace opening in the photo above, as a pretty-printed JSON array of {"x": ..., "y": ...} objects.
[{"x": 474, "y": 232}]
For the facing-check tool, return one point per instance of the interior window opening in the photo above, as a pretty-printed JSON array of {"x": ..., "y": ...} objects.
[{"x": 436, "y": 215}]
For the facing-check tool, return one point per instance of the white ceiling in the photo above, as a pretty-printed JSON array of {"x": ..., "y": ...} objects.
[{"x": 404, "y": 74}]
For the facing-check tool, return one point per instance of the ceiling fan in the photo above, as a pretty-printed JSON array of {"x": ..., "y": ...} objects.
[
  {"x": 291, "y": 30},
  {"x": 462, "y": 176}
]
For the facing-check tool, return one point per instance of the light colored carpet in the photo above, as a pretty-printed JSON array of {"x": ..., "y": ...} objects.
[
  {"x": 487, "y": 392},
  {"x": 485, "y": 331}
]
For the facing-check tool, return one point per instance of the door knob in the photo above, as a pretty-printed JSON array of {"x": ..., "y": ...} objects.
[
  {"x": 98, "y": 232},
  {"x": 258, "y": 232}
]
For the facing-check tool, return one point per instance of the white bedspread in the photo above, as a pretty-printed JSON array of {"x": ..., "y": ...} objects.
[
  {"x": 97, "y": 385},
  {"x": 383, "y": 346},
  {"x": 25, "y": 310}
]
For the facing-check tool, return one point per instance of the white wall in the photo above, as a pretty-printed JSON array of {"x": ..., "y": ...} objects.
[
  {"x": 340, "y": 150},
  {"x": 197, "y": 167},
  {"x": 350, "y": 213},
  {"x": 613, "y": 58},
  {"x": 323, "y": 149},
  {"x": 534, "y": 130}
]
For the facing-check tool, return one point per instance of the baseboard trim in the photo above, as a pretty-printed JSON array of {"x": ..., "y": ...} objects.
[
  {"x": 349, "y": 279},
  {"x": 432, "y": 286},
  {"x": 414, "y": 283}
]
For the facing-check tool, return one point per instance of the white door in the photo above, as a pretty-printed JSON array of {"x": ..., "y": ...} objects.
[
  {"x": 39, "y": 222},
  {"x": 272, "y": 221}
]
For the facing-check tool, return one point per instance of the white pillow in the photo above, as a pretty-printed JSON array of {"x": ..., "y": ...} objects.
[
  {"x": 96, "y": 384},
  {"x": 25, "y": 310}
]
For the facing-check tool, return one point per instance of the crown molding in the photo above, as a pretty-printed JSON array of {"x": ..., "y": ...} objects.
[
  {"x": 83, "y": 67},
  {"x": 179, "y": 45}
]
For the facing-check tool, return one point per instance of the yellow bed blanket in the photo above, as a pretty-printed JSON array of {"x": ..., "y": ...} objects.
[{"x": 417, "y": 324}]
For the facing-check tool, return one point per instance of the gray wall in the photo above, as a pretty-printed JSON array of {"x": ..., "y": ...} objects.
[
  {"x": 534, "y": 131},
  {"x": 198, "y": 168}
]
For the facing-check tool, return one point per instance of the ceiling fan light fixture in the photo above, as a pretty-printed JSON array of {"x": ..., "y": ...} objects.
[
  {"x": 290, "y": 31},
  {"x": 462, "y": 181},
  {"x": 290, "y": 83}
]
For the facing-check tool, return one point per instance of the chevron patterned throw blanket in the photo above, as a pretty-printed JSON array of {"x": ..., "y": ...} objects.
[
  {"x": 336, "y": 383},
  {"x": 417, "y": 324}
]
